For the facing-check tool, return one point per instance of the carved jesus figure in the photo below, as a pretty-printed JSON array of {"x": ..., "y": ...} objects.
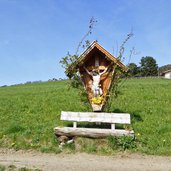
[{"x": 95, "y": 74}]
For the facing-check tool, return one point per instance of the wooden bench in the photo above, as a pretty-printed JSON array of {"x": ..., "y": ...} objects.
[{"x": 96, "y": 117}]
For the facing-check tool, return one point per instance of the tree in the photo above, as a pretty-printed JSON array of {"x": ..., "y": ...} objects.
[
  {"x": 148, "y": 67},
  {"x": 133, "y": 69}
]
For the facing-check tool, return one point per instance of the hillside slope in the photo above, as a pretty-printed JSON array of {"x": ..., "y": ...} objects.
[{"x": 28, "y": 114}]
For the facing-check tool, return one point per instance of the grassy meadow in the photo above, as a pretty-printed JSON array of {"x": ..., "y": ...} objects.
[{"x": 28, "y": 114}]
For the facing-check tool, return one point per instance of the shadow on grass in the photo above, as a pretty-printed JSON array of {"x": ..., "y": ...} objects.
[
  {"x": 134, "y": 115},
  {"x": 96, "y": 125},
  {"x": 91, "y": 125},
  {"x": 118, "y": 111}
]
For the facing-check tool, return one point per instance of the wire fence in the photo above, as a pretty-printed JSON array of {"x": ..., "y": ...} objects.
[{"x": 145, "y": 77}]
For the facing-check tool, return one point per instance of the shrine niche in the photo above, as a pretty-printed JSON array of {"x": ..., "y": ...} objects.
[{"x": 96, "y": 67}]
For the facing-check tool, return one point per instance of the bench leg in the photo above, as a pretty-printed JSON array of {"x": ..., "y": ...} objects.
[
  {"x": 113, "y": 126},
  {"x": 74, "y": 124}
]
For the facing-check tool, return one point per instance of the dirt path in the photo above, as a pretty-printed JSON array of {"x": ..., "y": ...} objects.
[{"x": 81, "y": 161}]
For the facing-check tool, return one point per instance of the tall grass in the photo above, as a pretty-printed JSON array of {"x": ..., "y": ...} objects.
[{"x": 28, "y": 114}]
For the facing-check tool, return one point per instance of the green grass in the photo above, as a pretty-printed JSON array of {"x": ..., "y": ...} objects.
[
  {"x": 28, "y": 114},
  {"x": 2, "y": 168}
]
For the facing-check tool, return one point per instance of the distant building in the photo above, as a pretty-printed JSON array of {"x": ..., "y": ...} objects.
[{"x": 166, "y": 74}]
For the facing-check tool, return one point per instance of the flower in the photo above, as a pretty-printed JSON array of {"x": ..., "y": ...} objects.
[{"x": 97, "y": 100}]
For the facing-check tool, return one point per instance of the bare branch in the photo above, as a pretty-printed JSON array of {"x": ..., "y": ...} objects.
[{"x": 91, "y": 25}]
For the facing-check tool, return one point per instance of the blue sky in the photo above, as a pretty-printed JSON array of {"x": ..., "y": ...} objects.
[{"x": 36, "y": 34}]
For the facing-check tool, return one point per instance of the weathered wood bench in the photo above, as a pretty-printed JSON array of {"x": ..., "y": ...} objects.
[{"x": 111, "y": 118}]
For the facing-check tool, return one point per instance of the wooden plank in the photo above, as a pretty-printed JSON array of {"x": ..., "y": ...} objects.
[
  {"x": 91, "y": 132},
  {"x": 96, "y": 108},
  {"x": 96, "y": 61},
  {"x": 122, "y": 118}
]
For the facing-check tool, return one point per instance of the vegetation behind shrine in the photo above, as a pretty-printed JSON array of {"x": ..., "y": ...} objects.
[{"x": 28, "y": 114}]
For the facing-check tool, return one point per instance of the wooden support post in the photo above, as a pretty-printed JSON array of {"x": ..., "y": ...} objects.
[
  {"x": 113, "y": 126},
  {"x": 96, "y": 61},
  {"x": 74, "y": 124}
]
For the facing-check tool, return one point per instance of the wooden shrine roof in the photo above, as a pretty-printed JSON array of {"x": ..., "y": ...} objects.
[{"x": 110, "y": 57}]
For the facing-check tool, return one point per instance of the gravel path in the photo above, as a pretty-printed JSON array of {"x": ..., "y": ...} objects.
[{"x": 82, "y": 161}]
